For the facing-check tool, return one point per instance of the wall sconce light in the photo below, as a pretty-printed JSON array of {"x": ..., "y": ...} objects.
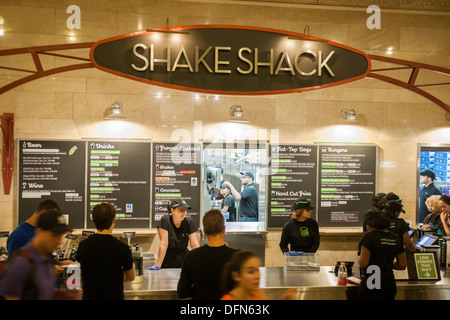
[
  {"x": 115, "y": 112},
  {"x": 348, "y": 114},
  {"x": 447, "y": 116},
  {"x": 236, "y": 114}
]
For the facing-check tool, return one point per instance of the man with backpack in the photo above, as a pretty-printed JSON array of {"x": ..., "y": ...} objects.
[{"x": 29, "y": 273}]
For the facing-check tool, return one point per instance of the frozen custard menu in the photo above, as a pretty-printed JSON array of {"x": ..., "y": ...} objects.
[
  {"x": 52, "y": 170},
  {"x": 347, "y": 182},
  {"x": 176, "y": 176},
  {"x": 119, "y": 173}
]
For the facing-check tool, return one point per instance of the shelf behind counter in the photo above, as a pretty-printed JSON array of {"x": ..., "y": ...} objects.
[{"x": 311, "y": 285}]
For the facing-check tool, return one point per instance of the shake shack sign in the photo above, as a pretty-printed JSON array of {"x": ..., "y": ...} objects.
[{"x": 230, "y": 60}]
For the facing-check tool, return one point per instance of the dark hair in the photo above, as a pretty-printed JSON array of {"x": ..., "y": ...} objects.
[
  {"x": 47, "y": 205},
  {"x": 103, "y": 215},
  {"x": 378, "y": 220},
  {"x": 234, "y": 265},
  {"x": 445, "y": 198},
  {"x": 386, "y": 198},
  {"x": 213, "y": 222},
  {"x": 376, "y": 199}
]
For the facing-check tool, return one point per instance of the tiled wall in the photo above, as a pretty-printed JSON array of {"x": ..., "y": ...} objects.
[{"x": 71, "y": 105}]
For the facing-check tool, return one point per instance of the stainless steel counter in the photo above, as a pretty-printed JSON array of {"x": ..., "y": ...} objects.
[{"x": 311, "y": 285}]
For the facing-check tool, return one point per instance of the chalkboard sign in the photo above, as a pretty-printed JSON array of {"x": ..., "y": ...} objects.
[
  {"x": 293, "y": 174},
  {"x": 176, "y": 176},
  {"x": 347, "y": 175},
  {"x": 119, "y": 173},
  {"x": 52, "y": 170}
]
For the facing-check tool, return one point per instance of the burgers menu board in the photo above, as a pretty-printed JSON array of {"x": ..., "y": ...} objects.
[
  {"x": 293, "y": 174},
  {"x": 346, "y": 184},
  {"x": 119, "y": 173},
  {"x": 52, "y": 170},
  {"x": 176, "y": 176}
]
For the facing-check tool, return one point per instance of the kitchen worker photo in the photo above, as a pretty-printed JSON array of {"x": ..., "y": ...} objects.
[
  {"x": 301, "y": 233},
  {"x": 248, "y": 198},
  {"x": 176, "y": 232}
]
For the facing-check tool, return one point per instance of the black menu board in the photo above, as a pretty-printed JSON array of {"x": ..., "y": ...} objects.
[
  {"x": 119, "y": 173},
  {"x": 52, "y": 170},
  {"x": 347, "y": 175},
  {"x": 176, "y": 176},
  {"x": 293, "y": 174}
]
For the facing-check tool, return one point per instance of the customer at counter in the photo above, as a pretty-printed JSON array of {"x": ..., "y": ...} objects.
[
  {"x": 380, "y": 248},
  {"x": 301, "y": 233},
  {"x": 433, "y": 220},
  {"x": 427, "y": 177},
  {"x": 248, "y": 198},
  {"x": 444, "y": 203},
  {"x": 175, "y": 232},
  {"x": 392, "y": 210},
  {"x": 202, "y": 267},
  {"x": 228, "y": 203},
  {"x": 106, "y": 262}
]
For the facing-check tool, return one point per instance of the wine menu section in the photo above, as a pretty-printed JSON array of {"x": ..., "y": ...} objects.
[
  {"x": 347, "y": 182},
  {"x": 119, "y": 173},
  {"x": 52, "y": 170}
]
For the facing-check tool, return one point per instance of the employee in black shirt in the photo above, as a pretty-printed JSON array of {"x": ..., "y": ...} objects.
[
  {"x": 301, "y": 233},
  {"x": 382, "y": 251},
  {"x": 228, "y": 203},
  {"x": 105, "y": 261},
  {"x": 175, "y": 232},
  {"x": 248, "y": 198},
  {"x": 392, "y": 210}
]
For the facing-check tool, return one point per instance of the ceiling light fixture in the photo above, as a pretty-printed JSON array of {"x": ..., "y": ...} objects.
[
  {"x": 115, "y": 112},
  {"x": 348, "y": 114},
  {"x": 236, "y": 114}
]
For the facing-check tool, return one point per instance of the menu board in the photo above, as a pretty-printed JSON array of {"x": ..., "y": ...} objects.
[
  {"x": 293, "y": 174},
  {"x": 346, "y": 184},
  {"x": 176, "y": 176},
  {"x": 119, "y": 173},
  {"x": 52, "y": 170}
]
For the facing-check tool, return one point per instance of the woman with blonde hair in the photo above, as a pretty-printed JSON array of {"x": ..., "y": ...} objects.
[{"x": 433, "y": 220}]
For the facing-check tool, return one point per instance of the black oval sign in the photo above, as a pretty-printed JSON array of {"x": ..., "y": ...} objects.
[{"x": 226, "y": 59}]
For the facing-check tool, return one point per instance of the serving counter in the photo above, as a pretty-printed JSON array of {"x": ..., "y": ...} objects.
[{"x": 311, "y": 285}]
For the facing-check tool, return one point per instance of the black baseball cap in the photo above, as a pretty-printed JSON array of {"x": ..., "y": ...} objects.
[
  {"x": 394, "y": 206},
  {"x": 181, "y": 204},
  {"x": 428, "y": 173},
  {"x": 303, "y": 203},
  {"x": 248, "y": 174},
  {"x": 54, "y": 221}
]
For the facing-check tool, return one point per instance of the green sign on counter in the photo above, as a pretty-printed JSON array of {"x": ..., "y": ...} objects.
[{"x": 426, "y": 266}]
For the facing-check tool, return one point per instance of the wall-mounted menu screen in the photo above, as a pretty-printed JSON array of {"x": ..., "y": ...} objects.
[
  {"x": 293, "y": 174},
  {"x": 52, "y": 170},
  {"x": 347, "y": 182},
  {"x": 119, "y": 173},
  {"x": 176, "y": 176}
]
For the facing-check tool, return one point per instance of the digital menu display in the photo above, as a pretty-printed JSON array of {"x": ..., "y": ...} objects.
[
  {"x": 347, "y": 183},
  {"x": 293, "y": 174},
  {"x": 176, "y": 176},
  {"x": 52, "y": 170},
  {"x": 119, "y": 173}
]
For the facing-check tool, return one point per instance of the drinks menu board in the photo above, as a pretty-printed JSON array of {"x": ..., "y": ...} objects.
[
  {"x": 52, "y": 170},
  {"x": 176, "y": 176},
  {"x": 293, "y": 174},
  {"x": 119, "y": 173},
  {"x": 346, "y": 184}
]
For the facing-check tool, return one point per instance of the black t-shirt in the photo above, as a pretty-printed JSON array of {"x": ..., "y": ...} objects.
[
  {"x": 397, "y": 226},
  {"x": 248, "y": 205},
  {"x": 201, "y": 272},
  {"x": 231, "y": 204},
  {"x": 103, "y": 259},
  {"x": 383, "y": 247},
  {"x": 301, "y": 236}
]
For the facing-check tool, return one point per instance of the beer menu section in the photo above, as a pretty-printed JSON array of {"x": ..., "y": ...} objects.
[
  {"x": 293, "y": 174},
  {"x": 119, "y": 173},
  {"x": 52, "y": 170},
  {"x": 347, "y": 175},
  {"x": 176, "y": 176}
]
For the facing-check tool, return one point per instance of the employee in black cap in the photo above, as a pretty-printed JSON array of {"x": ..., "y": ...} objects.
[
  {"x": 427, "y": 177},
  {"x": 248, "y": 198},
  {"x": 175, "y": 232},
  {"x": 301, "y": 233},
  {"x": 392, "y": 210}
]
